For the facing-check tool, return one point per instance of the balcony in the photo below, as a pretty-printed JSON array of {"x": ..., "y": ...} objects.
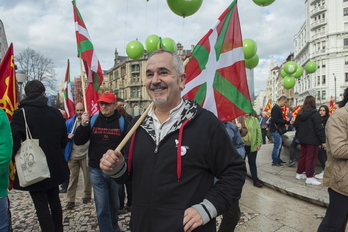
[
  {"x": 318, "y": 23},
  {"x": 318, "y": 10}
]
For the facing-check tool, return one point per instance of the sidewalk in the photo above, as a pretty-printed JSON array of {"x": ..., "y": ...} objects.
[{"x": 283, "y": 178}]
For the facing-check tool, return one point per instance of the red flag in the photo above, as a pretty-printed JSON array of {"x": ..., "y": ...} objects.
[
  {"x": 216, "y": 77},
  {"x": 295, "y": 111},
  {"x": 8, "y": 84},
  {"x": 285, "y": 114},
  {"x": 8, "y": 95},
  {"x": 331, "y": 109},
  {"x": 268, "y": 106},
  {"x": 68, "y": 94},
  {"x": 92, "y": 66}
]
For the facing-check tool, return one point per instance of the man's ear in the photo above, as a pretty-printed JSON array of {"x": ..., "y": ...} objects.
[{"x": 182, "y": 80}]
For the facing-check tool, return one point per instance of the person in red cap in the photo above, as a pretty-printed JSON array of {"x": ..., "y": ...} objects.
[{"x": 104, "y": 131}]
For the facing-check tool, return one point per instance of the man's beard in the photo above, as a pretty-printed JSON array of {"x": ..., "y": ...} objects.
[{"x": 160, "y": 100}]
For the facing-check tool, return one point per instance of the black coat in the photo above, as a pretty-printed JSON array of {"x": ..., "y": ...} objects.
[
  {"x": 309, "y": 128},
  {"x": 48, "y": 125},
  {"x": 277, "y": 117}
]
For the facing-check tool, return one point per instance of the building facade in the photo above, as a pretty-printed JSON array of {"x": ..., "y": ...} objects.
[
  {"x": 323, "y": 38},
  {"x": 3, "y": 41}
]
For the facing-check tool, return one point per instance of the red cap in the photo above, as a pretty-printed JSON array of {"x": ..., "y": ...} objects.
[{"x": 107, "y": 97}]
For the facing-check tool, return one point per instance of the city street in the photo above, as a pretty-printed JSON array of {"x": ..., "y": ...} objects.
[{"x": 263, "y": 209}]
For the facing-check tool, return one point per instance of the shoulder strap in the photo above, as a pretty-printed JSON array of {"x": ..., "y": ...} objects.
[
  {"x": 121, "y": 121},
  {"x": 93, "y": 118}
]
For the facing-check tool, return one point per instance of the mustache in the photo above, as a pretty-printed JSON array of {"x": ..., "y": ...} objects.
[{"x": 158, "y": 86}]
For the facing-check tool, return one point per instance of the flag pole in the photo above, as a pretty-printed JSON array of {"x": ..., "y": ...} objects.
[
  {"x": 140, "y": 120},
  {"x": 83, "y": 87}
]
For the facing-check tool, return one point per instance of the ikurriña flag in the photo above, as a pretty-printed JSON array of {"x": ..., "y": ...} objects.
[
  {"x": 92, "y": 66},
  {"x": 216, "y": 77},
  {"x": 68, "y": 95}
]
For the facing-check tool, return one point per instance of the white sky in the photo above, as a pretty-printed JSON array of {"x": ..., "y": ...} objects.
[{"x": 47, "y": 26}]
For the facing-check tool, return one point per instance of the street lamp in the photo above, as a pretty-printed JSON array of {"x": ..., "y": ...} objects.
[
  {"x": 296, "y": 96},
  {"x": 20, "y": 77},
  {"x": 335, "y": 85}
]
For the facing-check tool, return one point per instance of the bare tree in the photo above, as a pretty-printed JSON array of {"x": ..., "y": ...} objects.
[{"x": 37, "y": 67}]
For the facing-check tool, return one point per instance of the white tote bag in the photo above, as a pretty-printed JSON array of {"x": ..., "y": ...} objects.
[{"x": 31, "y": 162}]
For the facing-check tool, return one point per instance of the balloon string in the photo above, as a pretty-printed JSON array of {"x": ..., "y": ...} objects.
[
  {"x": 182, "y": 30},
  {"x": 125, "y": 26},
  {"x": 157, "y": 19}
]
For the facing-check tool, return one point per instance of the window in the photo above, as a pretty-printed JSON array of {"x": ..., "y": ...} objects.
[
  {"x": 345, "y": 42},
  {"x": 323, "y": 79},
  {"x": 323, "y": 95},
  {"x": 318, "y": 82},
  {"x": 345, "y": 11},
  {"x": 323, "y": 63},
  {"x": 346, "y": 58},
  {"x": 346, "y": 77},
  {"x": 323, "y": 44}
]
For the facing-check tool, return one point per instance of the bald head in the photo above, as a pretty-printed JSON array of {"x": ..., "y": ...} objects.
[{"x": 79, "y": 108}]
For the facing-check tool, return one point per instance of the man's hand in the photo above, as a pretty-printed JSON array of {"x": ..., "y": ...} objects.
[
  {"x": 85, "y": 118},
  {"x": 192, "y": 219},
  {"x": 110, "y": 160},
  {"x": 70, "y": 135}
]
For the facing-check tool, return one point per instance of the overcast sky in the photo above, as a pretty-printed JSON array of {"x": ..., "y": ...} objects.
[{"x": 47, "y": 26}]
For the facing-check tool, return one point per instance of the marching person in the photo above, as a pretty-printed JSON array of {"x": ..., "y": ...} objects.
[
  {"x": 48, "y": 126},
  {"x": 174, "y": 156},
  {"x": 77, "y": 159},
  {"x": 104, "y": 131}
]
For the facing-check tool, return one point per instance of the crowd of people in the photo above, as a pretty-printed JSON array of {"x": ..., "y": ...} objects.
[{"x": 181, "y": 168}]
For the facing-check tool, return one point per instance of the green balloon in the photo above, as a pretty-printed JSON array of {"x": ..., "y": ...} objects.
[
  {"x": 311, "y": 67},
  {"x": 283, "y": 73},
  {"x": 289, "y": 82},
  {"x": 135, "y": 49},
  {"x": 252, "y": 62},
  {"x": 249, "y": 48},
  {"x": 263, "y": 2},
  {"x": 298, "y": 72},
  {"x": 169, "y": 44},
  {"x": 290, "y": 67},
  {"x": 184, "y": 7},
  {"x": 152, "y": 43}
]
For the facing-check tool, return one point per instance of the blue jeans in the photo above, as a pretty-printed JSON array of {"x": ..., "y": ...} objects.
[
  {"x": 4, "y": 215},
  {"x": 277, "y": 141},
  {"x": 106, "y": 199}
]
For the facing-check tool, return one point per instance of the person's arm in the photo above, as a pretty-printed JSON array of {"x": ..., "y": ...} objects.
[
  {"x": 230, "y": 170},
  {"x": 6, "y": 143},
  {"x": 83, "y": 132},
  {"x": 318, "y": 128},
  {"x": 336, "y": 134},
  {"x": 277, "y": 117}
]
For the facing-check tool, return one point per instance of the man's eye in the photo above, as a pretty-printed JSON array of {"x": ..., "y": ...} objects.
[{"x": 149, "y": 75}]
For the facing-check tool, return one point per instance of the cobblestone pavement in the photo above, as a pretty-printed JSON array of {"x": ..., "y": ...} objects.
[{"x": 82, "y": 218}]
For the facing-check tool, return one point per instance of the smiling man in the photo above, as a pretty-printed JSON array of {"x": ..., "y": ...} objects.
[
  {"x": 104, "y": 131},
  {"x": 174, "y": 156}
]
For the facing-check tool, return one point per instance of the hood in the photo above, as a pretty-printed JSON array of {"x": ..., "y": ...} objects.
[
  {"x": 36, "y": 99},
  {"x": 306, "y": 114}
]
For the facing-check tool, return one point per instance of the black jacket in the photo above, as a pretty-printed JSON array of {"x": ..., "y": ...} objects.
[
  {"x": 159, "y": 197},
  {"x": 277, "y": 117},
  {"x": 105, "y": 134},
  {"x": 48, "y": 125},
  {"x": 309, "y": 128}
]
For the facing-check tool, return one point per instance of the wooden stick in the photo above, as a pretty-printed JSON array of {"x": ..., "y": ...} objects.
[
  {"x": 136, "y": 125},
  {"x": 74, "y": 125},
  {"x": 83, "y": 86}
]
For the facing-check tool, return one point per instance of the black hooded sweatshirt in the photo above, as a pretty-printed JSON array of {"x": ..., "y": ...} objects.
[{"x": 309, "y": 128}]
